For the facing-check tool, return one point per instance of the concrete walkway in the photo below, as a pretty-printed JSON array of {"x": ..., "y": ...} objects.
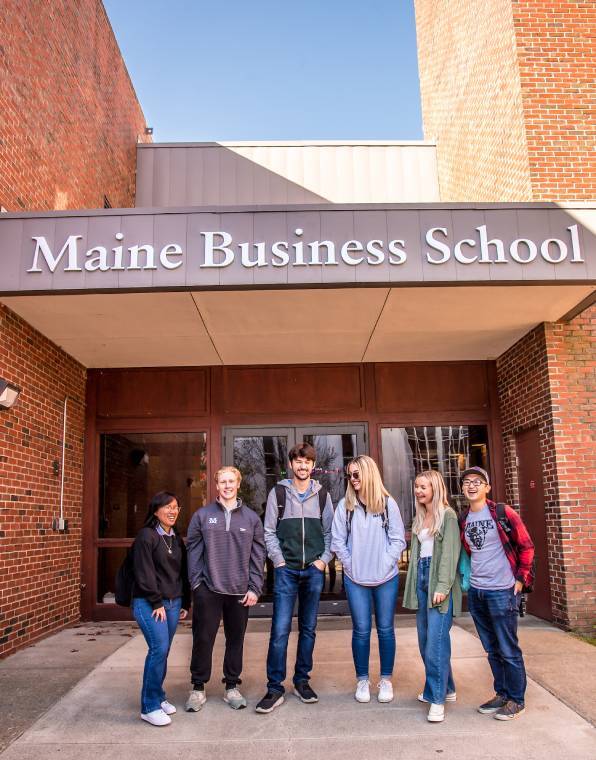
[{"x": 98, "y": 718}]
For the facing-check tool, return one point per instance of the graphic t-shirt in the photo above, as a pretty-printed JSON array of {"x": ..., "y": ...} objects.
[{"x": 490, "y": 567}]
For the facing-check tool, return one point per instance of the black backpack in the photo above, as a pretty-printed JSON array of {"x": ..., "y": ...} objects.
[
  {"x": 503, "y": 521},
  {"x": 350, "y": 517},
  {"x": 280, "y": 496},
  {"x": 125, "y": 579}
]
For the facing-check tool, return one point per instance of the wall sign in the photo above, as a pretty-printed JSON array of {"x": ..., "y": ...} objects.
[
  {"x": 221, "y": 250},
  {"x": 111, "y": 250}
]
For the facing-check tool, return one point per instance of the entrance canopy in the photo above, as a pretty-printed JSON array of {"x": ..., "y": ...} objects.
[{"x": 259, "y": 285}]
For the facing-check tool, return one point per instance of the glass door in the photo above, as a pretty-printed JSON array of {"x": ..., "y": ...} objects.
[{"x": 261, "y": 455}]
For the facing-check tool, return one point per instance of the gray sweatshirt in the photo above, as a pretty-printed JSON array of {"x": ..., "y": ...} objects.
[
  {"x": 371, "y": 553},
  {"x": 226, "y": 549}
]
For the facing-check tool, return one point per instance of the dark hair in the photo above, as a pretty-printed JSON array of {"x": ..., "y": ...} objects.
[
  {"x": 159, "y": 500},
  {"x": 304, "y": 450}
]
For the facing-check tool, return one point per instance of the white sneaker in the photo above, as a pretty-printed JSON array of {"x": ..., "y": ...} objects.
[
  {"x": 234, "y": 698},
  {"x": 168, "y": 707},
  {"x": 156, "y": 718},
  {"x": 362, "y": 690},
  {"x": 451, "y": 697},
  {"x": 196, "y": 700},
  {"x": 385, "y": 690},
  {"x": 436, "y": 713}
]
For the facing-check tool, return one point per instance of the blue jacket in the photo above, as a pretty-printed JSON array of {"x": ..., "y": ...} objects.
[{"x": 370, "y": 553}]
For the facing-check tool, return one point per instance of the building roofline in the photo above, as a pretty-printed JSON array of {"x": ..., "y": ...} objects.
[
  {"x": 290, "y": 144},
  {"x": 281, "y": 207}
]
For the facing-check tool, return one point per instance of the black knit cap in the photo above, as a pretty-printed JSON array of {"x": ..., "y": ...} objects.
[{"x": 476, "y": 471}]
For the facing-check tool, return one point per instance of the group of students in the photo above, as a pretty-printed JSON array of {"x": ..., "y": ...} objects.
[{"x": 222, "y": 566}]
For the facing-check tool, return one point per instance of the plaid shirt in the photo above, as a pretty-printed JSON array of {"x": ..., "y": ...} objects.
[{"x": 518, "y": 546}]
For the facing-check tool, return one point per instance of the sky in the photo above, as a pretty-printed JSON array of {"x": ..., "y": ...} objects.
[{"x": 263, "y": 70}]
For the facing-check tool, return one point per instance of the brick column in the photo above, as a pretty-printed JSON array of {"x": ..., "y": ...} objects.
[{"x": 548, "y": 380}]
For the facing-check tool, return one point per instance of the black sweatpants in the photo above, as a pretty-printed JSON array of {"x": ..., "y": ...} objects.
[{"x": 207, "y": 611}]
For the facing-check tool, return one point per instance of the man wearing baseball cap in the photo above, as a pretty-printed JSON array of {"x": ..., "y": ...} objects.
[{"x": 501, "y": 552}]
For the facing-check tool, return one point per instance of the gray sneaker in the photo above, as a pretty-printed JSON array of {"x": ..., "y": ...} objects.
[
  {"x": 493, "y": 704},
  {"x": 510, "y": 711},
  {"x": 196, "y": 700},
  {"x": 234, "y": 698}
]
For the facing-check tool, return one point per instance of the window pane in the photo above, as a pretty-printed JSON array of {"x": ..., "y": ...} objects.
[
  {"x": 262, "y": 461},
  {"x": 333, "y": 454},
  {"x": 135, "y": 466},
  {"x": 449, "y": 449},
  {"x": 108, "y": 562}
]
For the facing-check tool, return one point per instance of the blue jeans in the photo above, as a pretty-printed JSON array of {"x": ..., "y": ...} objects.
[
  {"x": 495, "y": 616},
  {"x": 158, "y": 635},
  {"x": 362, "y": 600},
  {"x": 434, "y": 640},
  {"x": 306, "y": 586}
]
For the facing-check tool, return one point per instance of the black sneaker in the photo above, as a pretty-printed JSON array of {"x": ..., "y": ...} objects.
[
  {"x": 270, "y": 701},
  {"x": 510, "y": 711},
  {"x": 493, "y": 704},
  {"x": 304, "y": 693}
]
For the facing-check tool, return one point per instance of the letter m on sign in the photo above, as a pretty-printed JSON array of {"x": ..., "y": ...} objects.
[{"x": 41, "y": 246}]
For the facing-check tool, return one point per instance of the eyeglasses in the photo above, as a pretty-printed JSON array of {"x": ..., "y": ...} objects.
[
  {"x": 476, "y": 483},
  {"x": 172, "y": 509},
  {"x": 354, "y": 476}
]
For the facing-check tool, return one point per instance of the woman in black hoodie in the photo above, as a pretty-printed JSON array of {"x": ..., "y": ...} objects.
[{"x": 161, "y": 597}]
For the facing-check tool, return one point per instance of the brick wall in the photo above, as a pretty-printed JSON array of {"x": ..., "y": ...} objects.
[
  {"x": 554, "y": 365},
  {"x": 471, "y": 99},
  {"x": 555, "y": 49},
  {"x": 69, "y": 116},
  {"x": 508, "y": 94},
  {"x": 39, "y": 568},
  {"x": 572, "y": 373}
]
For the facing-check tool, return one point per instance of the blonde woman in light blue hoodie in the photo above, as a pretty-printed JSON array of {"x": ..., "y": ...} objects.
[{"x": 368, "y": 537}]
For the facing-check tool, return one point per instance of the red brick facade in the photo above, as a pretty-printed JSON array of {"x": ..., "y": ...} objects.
[
  {"x": 69, "y": 116},
  {"x": 554, "y": 365},
  {"x": 507, "y": 92},
  {"x": 555, "y": 51},
  {"x": 40, "y": 568}
]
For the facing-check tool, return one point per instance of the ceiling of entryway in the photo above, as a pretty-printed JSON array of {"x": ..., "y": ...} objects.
[{"x": 295, "y": 326}]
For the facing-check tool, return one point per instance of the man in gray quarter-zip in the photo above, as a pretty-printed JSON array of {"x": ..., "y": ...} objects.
[
  {"x": 226, "y": 558},
  {"x": 298, "y": 538}
]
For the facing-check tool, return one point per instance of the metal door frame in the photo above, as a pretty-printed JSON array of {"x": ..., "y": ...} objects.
[{"x": 293, "y": 433}]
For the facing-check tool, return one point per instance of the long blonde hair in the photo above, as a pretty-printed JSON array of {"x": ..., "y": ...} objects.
[
  {"x": 439, "y": 503},
  {"x": 372, "y": 491}
]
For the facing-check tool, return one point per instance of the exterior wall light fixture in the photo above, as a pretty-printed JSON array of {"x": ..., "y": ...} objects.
[{"x": 9, "y": 394}]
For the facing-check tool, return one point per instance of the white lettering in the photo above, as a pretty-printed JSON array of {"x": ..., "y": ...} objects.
[
  {"x": 244, "y": 255},
  {"x": 172, "y": 249},
  {"x": 484, "y": 244},
  {"x": 210, "y": 249},
  {"x": 437, "y": 245},
  {"x": 375, "y": 249},
  {"x": 134, "y": 251},
  {"x": 99, "y": 262},
  {"x": 280, "y": 251},
  {"x": 315, "y": 250},
  {"x": 514, "y": 250},
  {"x": 41, "y": 246},
  {"x": 351, "y": 246},
  {"x": 399, "y": 252},
  {"x": 545, "y": 252},
  {"x": 299, "y": 251},
  {"x": 459, "y": 256},
  {"x": 576, "y": 256},
  {"x": 117, "y": 257}
]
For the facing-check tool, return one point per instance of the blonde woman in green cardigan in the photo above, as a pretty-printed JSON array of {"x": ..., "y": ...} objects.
[{"x": 433, "y": 589}]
